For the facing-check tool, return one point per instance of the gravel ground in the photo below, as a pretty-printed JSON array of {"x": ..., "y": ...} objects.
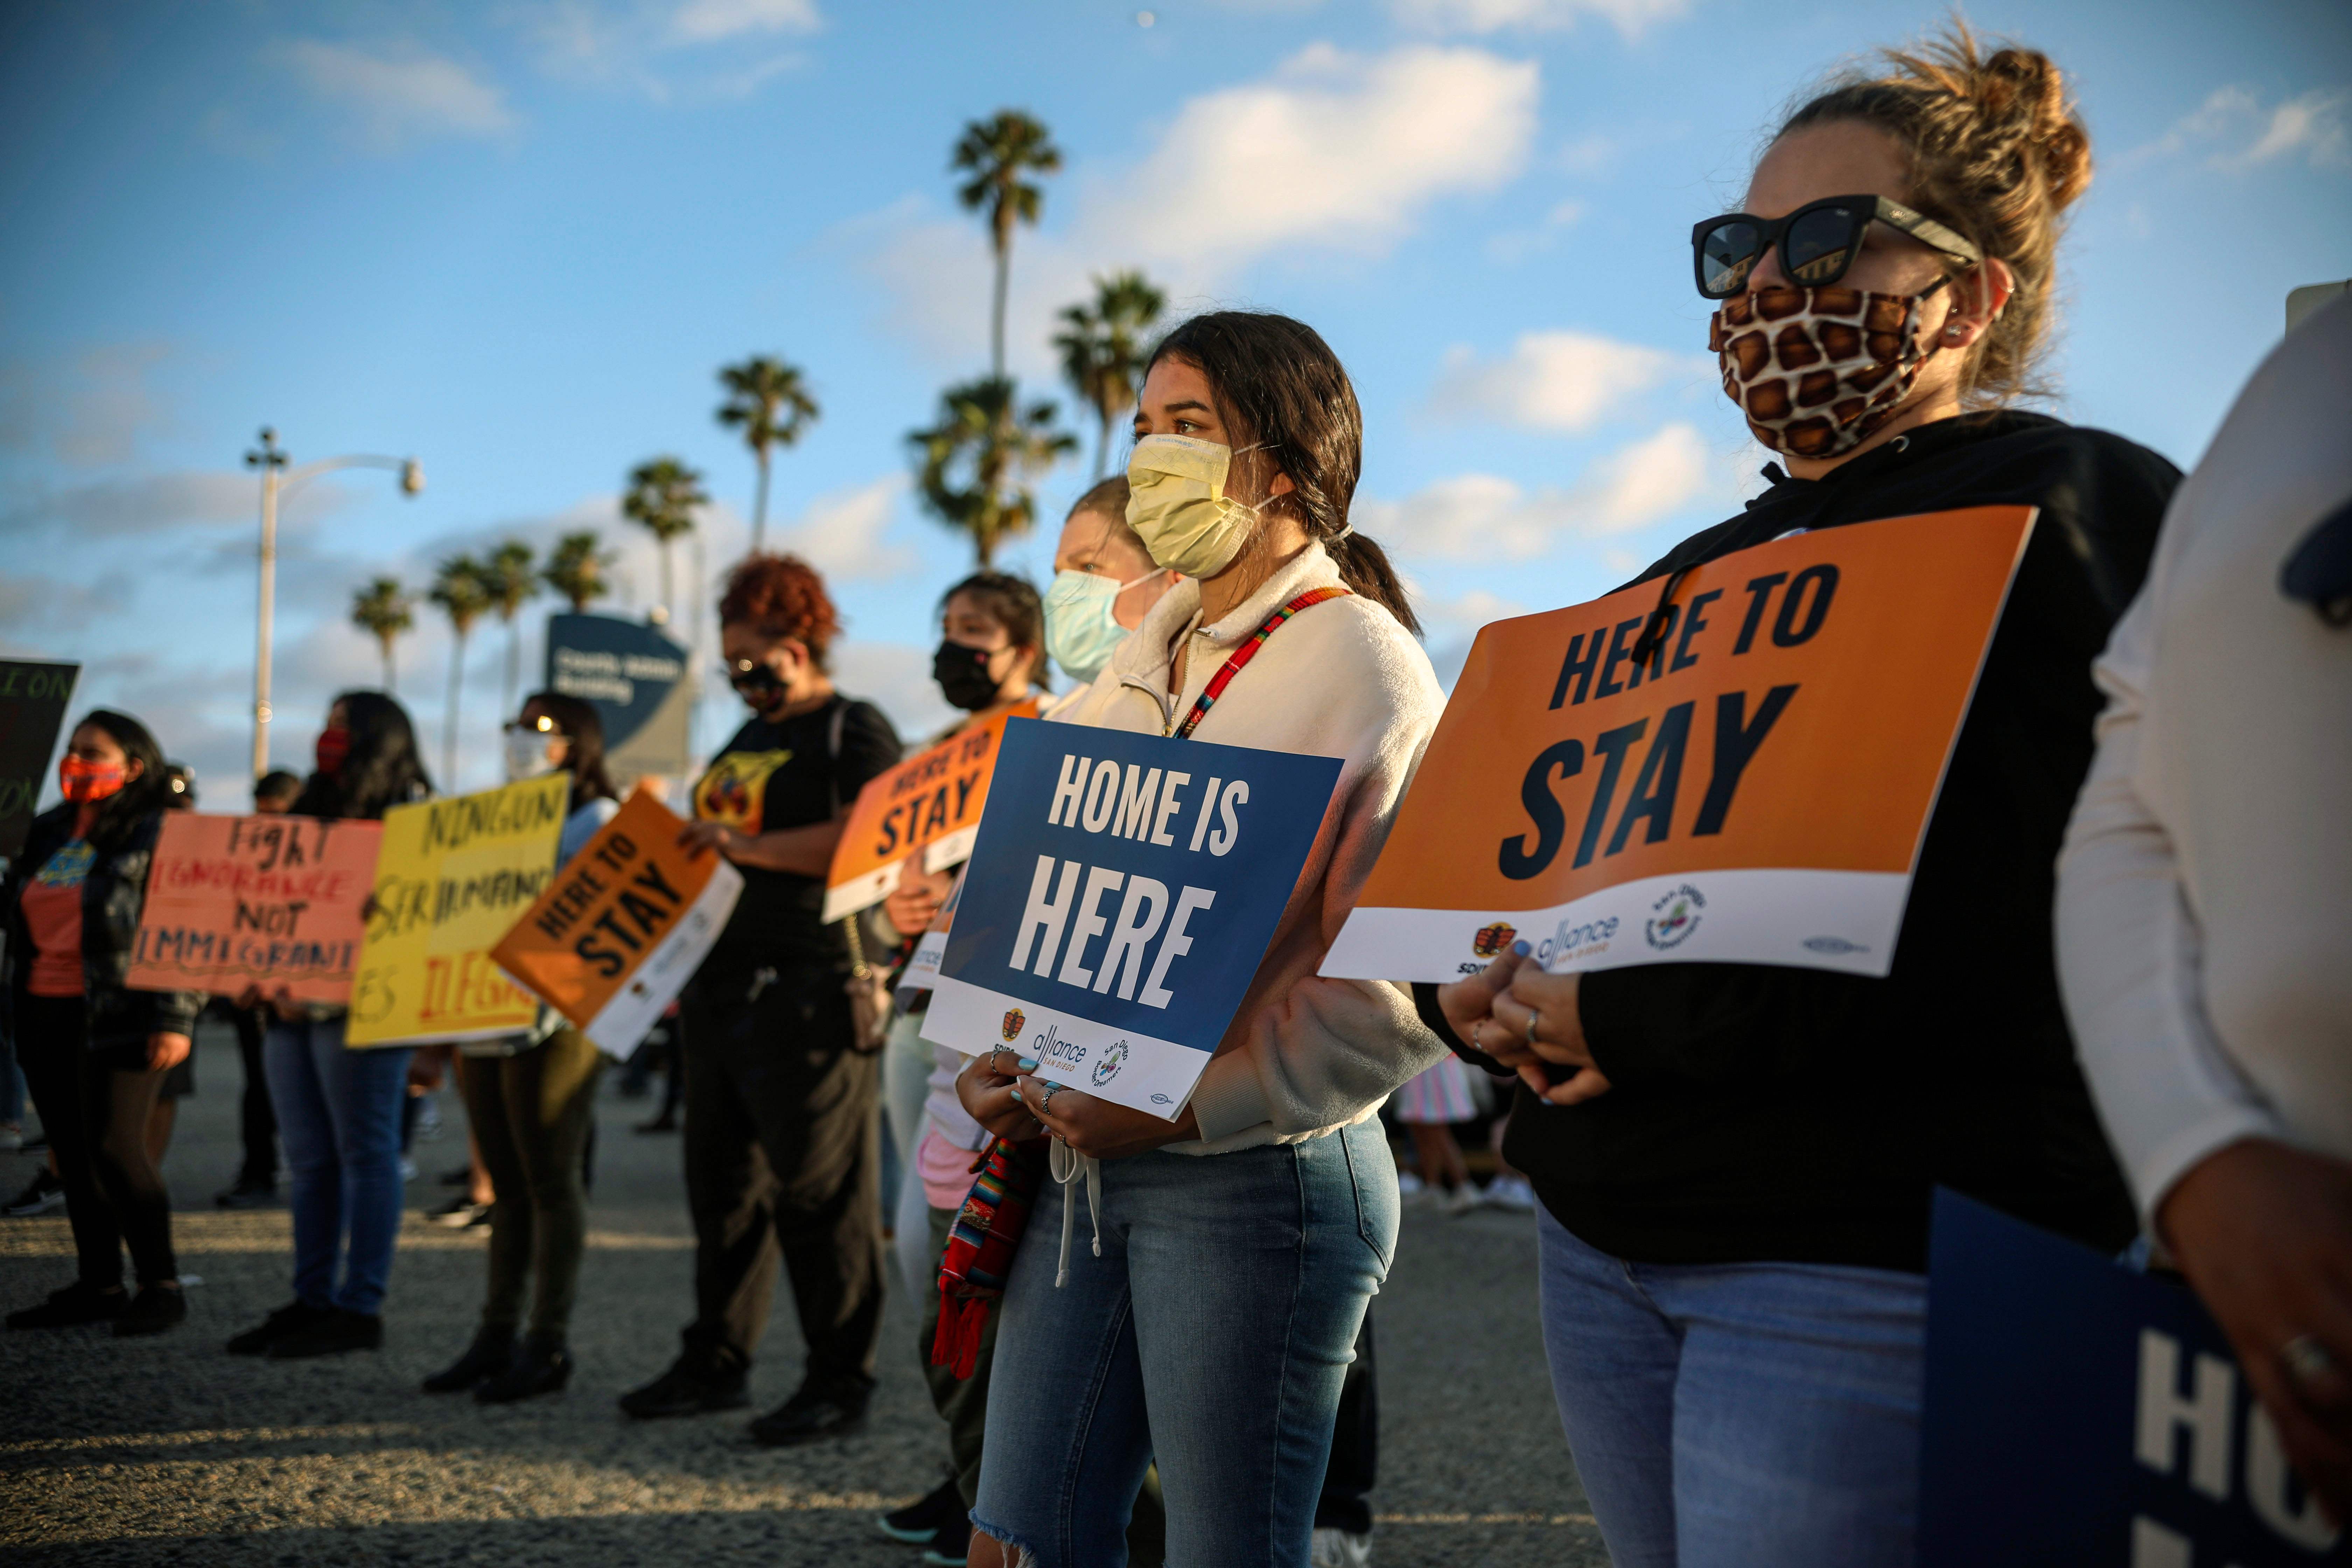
[{"x": 168, "y": 1451}]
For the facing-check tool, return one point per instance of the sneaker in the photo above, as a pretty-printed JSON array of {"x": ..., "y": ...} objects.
[
  {"x": 276, "y": 1326},
  {"x": 247, "y": 1194},
  {"x": 153, "y": 1309},
  {"x": 331, "y": 1333},
  {"x": 1456, "y": 1201},
  {"x": 815, "y": 1412},
  {"x": 77, "y": 1303},
  {"x": 41, "y": 1195},
  {"x": 1511, "y": 1193},
  {"x": 687, "y": 1388},
  {"x": 951, "y": 1548},
  {"x": 1339, "y": 1549},
  {"x": 920, "y": 1521},
  {"x": 460, "y": 1213}
]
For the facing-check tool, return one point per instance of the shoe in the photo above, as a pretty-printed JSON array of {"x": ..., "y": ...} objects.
[
  {"x": 1339, "y": 1549},
  {"x": 920, "y": 1520},
  {"x": 951, "y": 1548},
  {"x": 1510, "y": 1192},
  {"x": 687, "y": 1388},
  {"x": 77, "y": 1303},
  {"x": 330, "y": 1334},
  {"x": 276, "y": 1326},
  {"x": 153, "y": 1309},
  {"x": 662, "y": 1123},
  {"x": 541, "y": 1366},
  {"x": 1456, "y": 1201},
  {"x": 460, "y": 1213},
  {"x": 491, "y": 1353},
  {"x": 813, "y": 1413},
  {"x": 247, "y": 1194},
  {"x": 41, "y": 1195}
]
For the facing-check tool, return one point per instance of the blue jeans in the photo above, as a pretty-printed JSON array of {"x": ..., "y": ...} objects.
[
  {"x": 1213, "y": 1334},
  {"x": 339, "y": 1116},
  {"x": 1739, "y": 1415}
]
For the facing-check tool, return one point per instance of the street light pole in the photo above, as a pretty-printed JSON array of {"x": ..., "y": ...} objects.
[{"x": 277, "y": 481}]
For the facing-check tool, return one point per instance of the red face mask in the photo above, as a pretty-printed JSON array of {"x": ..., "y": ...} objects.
[
  {"x": 85, "y": 782},
  {"x": 335, "y": 745}
]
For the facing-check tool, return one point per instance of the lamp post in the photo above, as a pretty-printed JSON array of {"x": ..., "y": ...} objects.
[{"x": 278, "y": 481}]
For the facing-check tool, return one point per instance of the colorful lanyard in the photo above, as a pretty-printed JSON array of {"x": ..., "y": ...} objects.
[{"x": 1244, "y": 654}]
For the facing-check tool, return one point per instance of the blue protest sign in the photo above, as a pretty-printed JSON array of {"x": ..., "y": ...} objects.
[
  {"x": 1122, "y": 890},
  {"x": 637, "y": 680},
  {"x": 2082, "y": 1414}
]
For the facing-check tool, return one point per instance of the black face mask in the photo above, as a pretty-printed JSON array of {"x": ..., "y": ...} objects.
[{"x": 964, "y": 678}]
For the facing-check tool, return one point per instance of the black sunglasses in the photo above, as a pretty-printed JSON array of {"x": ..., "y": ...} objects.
[
  {"x": 1818, "y": 242},
  {"x": 745, "y": 675}
]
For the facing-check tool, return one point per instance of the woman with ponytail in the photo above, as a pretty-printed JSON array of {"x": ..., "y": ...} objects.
[
  {"x": 1736, "y": 1161},
  {"x": 95, "y": 1052},
  {"x": 1211, "y": 1326}
]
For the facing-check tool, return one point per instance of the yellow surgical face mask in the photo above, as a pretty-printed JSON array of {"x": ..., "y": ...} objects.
[{"x": 1178, "y": 506}]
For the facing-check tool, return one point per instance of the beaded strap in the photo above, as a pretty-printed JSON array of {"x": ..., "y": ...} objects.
[{"x": 1244, "y": 654}]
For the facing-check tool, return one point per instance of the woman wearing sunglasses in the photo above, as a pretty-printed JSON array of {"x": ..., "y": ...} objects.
[{"x": 1736, "y": 1161}]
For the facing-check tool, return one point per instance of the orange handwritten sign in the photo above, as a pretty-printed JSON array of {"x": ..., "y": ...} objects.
[
  {"x": 928, "y": 804},
  {"x": 272, "y": 902},
  {"x": 1753, "y": 790},
  {"x": 621, "y": 928}
]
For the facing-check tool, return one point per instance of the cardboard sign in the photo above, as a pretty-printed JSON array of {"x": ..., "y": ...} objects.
[
  {"x": 623, "y": 928},
  {"x": 1120, "y": 898},
  {"x": 234, "y": 901},
  {"x": 32, "y": 699},
  {"x": 1754, "y": 791},
  {"x": 2082, "y": 1415},
  {"x": 929, "y": 805},
  {"x": 450, "y": 880}
]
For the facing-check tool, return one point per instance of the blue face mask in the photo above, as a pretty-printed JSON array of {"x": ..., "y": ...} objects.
[{"x": 1080, "y": 627}]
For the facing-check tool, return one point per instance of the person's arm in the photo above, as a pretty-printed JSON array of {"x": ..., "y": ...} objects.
[{"x": 805, "y": 851}]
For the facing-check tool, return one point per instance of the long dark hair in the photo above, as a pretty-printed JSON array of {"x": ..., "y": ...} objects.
[
  {"x": 1278, "y": 385},
  {"x": 585, "y": 758},
  {"x": 140, "y": 798},
  {"x": 381, "y": 770}
]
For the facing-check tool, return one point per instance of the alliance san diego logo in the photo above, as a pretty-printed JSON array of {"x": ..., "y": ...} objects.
[{"x": 1674, "y": 918}]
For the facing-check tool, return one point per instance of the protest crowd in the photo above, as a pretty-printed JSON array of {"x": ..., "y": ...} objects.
[{"x": 2116, "y": 1006}]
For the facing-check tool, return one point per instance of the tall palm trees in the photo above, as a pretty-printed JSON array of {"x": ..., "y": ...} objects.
[
  {"x": 661, "y": 497},
  {"x": 384, "y": 610},
  {"x": 1000, "y": 154},
  {"x": 1102, "y": 349},
  {"x": 973, "y": 466},
  {"x": 510, "y": 579},
  {"x": 575, "y": 569},
  {"x": 458, "y": 589},
  {"x": 767, "y": 401}
]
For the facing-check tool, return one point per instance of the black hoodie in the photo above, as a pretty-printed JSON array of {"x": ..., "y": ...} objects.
[{"x": 1769, "y": 1113}]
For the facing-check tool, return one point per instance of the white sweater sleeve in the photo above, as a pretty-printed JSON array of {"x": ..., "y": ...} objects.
[{"x": 2129, "y": 954}]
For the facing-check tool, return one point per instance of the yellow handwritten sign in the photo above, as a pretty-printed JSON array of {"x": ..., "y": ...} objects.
[{"x": 452, "y": 877}]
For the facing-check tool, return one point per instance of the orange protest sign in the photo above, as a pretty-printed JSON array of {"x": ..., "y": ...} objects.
[
  {"x": 623, "y": 926},
  {"x": 929, "y": 805},
  {"x": 272, "y": 902},
  {"x": 1753, "y": 790}
]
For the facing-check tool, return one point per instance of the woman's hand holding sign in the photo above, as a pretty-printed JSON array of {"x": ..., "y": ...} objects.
[
  {"x": 1525, "y": 1018},
  {"x": 1015, "y": 1105}
]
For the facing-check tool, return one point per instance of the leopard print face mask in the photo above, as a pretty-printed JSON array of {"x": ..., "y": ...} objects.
[{"x": 1817, "y": 371}]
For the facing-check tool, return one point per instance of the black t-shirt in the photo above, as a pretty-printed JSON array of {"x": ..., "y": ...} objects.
[
  {"x": 1768, "y": 1114},
  {"x": 786, "y": 775}
]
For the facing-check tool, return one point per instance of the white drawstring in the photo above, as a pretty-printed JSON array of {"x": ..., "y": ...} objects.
[{"x": 1068, "y": 1165}]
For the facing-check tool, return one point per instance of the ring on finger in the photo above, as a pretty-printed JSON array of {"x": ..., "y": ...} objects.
[
  {"x": 1533, "y": 1014},
  {"x": 1046, "y": 1098},
  {"x": 2306, "y": 1360}
]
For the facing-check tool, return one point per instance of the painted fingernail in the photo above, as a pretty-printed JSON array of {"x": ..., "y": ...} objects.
[
  {"x": 1017, "y": 1094},
  {"x": 1028, "y": 1064},
  {"x": 1522, "y": 949}
]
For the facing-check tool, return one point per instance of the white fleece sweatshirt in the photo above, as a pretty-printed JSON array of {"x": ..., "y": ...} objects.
[
  {"x": 2205, "y": 892},
  {"x": 1304, "y": 1056}
]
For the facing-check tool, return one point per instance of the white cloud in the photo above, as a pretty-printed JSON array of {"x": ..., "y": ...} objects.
[
  {"x": 1559, "y": 381},
  {"x": 707, "y": 21},
  {"x": 1469, "y": 611},
  {"x": 2237, "y": 131},
  {"x": 1485, "y": 517},
  {"x": 896, "y": 678},
  {"x": 397, "y": 92},
  {"x": 1631, "y": 17},
  {"x": 840, "y": 533},
  {"x": 90, "y": 410},
  {"x": 150, "y": 505}
]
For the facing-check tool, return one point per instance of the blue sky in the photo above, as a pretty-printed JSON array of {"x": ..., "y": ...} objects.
[{"x": 517, "y": 239}]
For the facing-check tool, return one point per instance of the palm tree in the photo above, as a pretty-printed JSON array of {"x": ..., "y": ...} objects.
[
  {"x": 575, "y": 569},
  {"x": 1102, "y": 348},
  {"x": 997, "y": 153},
  {"x": 458, "y": 589},
  {"x": 511, "y": 577},
  {"x": 662, "y": 496},
  {"x": 766, "y": 399},
  {"x": 384, "y": 610},
  {"x": 973, "y": 466}
]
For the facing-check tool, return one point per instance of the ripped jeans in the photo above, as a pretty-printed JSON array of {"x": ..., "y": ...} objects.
[{"x": 1212, "y": 1334}]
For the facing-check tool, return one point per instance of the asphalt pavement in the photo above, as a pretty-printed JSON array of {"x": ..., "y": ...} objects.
[{"x": 167, "y": 1450}]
